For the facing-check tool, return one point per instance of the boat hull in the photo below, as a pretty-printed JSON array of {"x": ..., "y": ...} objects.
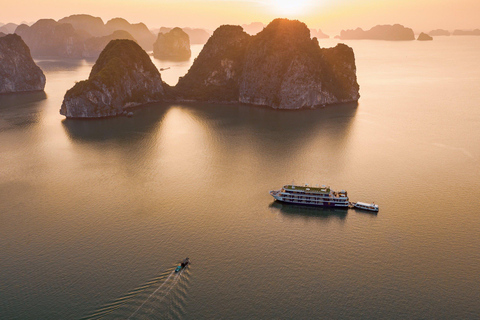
[{"x": 324, "y": 205}]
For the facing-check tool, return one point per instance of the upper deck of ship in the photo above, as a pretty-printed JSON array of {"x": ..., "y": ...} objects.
[{"x": 323, "y": 190}]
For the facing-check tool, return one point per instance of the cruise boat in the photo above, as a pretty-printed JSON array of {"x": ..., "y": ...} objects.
[
  {"x": 366, "y": 206},
  {"x": 315, "y": 196}
]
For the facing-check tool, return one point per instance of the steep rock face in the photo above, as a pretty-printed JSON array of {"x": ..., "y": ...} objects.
[
  {"x": 381, "y": 32},
  {"x": 123, "y": 77},
  {"x": 280, "y": 67},
  {"x": 285, "y": 69},
  {"x": 93, "y": 25},
  {"x": 47, "y": 37},
  {"x": 439, "y": 32},
  {"x": 95, "y": 45},
  {"x": 215, "y": 74},
  {"x": 18, "y": 71},
  {"x": 424, "y": 37},
  {"x": 138, "y": 30},
  {"x": 173, "y": 45}
]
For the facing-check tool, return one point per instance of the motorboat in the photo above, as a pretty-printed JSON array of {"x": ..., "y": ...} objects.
[{"x": 184, "y": 263}]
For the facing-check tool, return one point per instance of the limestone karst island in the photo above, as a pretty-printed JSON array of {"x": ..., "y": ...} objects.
[{"x": 281, "y": 67}]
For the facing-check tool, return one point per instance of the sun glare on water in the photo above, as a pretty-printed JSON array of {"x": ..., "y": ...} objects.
[{"x": 290, "y": 7}]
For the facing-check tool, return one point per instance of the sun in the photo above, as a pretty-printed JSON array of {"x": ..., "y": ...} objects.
[{"x": 290, "y": 7}]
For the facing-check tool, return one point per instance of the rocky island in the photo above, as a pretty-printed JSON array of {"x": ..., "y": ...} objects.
[
  {"x": 439, "y": 32},
  {"x": 173, "y": 45},
  {"x": 18, "y": 71},
  {"x": 280, "y": 67},
  {"x": 424, "y": 37},
  {"x": 394, "y": 32},
  {"x": 94, "y": 46},
  {"x": 475, "y": 32},
  {"x": 196, "y": 35},
  {"x": 123, "y": 77},
  {"x": 48, "y": 38}
]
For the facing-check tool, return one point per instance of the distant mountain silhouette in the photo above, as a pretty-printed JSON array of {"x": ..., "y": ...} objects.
[
  {"x": 46, "y": 37},
  {"x": 8, "y": 28},
  {"x": 318, "y": 34},
  {"x": 439, "y": 32},
  {"x": 475, "y": 32},
  {"x": 139, "y": 31},
  {"x": 253, "y": 28},
  {"x": 424, "y": 37},
  {"x": 394, "y": 32},
  {"x": 196, "y": 35},
  {"x": 93, "y": 25}
]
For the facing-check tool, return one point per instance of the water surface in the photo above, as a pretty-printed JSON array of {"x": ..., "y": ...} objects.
[{"x": 95, "y": 214}]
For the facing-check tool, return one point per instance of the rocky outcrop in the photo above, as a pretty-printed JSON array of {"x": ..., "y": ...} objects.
[
  {"x": 424, "y": 37},
  {"x": 18, "y": 71},
  {"x": 95, "y": 45},
  {"x": 2, "y": 34},
  {"x": 196, "y": 35},
  {"x": 215, "y": 73},
  {"x": 396, "y": 32},
  {"x": 173, "y": 45},
  {"x": 318, "y": 34},
  {"x": 8, "y": 28},
  {"x": 138, "y": 30},
  {"x": 93, "y": 25},
  {"x": 280, "y": 67},
  {"x": 48, "y": 38},
  {"x": 123, "y": 77},
  {"x": 439, "y": 32},
  {"x": 475, "y": 32}
]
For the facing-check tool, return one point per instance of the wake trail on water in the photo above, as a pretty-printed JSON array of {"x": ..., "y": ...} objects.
[{"x": 170, "y": 288}]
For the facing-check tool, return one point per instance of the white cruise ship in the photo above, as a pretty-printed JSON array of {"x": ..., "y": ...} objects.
[{"x": 315, "y": 196}]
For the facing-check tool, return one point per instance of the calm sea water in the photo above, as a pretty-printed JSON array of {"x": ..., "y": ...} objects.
[{"x": 94, "y": 215}]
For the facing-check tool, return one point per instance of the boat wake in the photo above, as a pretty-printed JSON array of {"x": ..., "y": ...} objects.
[{"x": 163, "y": 297}]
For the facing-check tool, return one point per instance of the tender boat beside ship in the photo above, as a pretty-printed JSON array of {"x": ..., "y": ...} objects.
[
  {"x": 315, "y": 196},
  {"x": 365, "y": 206}
]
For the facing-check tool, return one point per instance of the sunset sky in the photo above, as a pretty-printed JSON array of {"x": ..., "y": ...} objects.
[{"x": 329, "y": 15}]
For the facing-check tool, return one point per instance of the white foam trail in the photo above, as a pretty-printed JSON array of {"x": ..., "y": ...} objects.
[
  {"x": 166, "y": 280},
  {"x": 175, "y": 280}
]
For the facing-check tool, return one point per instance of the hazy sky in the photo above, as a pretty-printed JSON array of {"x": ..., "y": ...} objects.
[{"x": 329, "y": 15}]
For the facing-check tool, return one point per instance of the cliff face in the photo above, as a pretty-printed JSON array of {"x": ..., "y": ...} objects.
[
  {"x": 95, "y": 45},
  {"x": 123, "y": 77},
  {"x": 384, "y": 32},
  {"x": 18, "y": 71},
  {"x": 280, "y": 67},
  {"x": 47, "y": 37},
  {"x": 173, "y": 45},
  {"x": 138, "y": 30},
  {"x": 424, "y": 37},
  {"x": 215, "y": 74}
]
